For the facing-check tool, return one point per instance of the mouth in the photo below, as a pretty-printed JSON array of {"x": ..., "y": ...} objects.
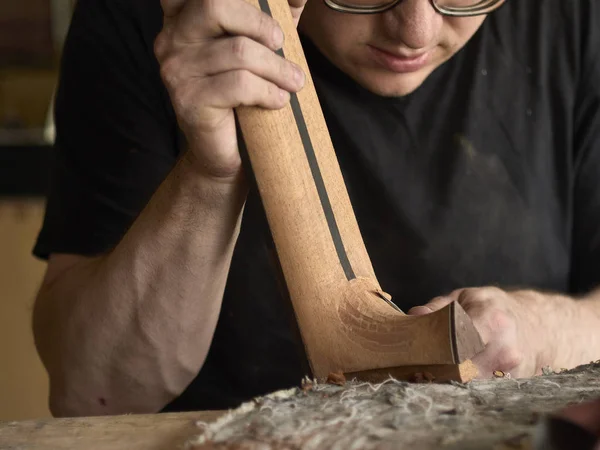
[{"x": 399, "y": 62}]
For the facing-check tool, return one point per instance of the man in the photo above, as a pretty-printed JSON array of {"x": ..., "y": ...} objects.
[{"x": 468, "y": 133}]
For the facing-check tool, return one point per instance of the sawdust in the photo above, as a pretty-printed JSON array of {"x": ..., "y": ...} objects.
[
  {"x": 337, "y": 378},
  {"x": 491, "y": 414}
]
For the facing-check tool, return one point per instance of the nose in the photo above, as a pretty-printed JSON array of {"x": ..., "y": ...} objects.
[{"x": 415, "y": 23}]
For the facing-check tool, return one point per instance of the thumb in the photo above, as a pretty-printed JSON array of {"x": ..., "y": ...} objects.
[{"x": 434, "y": 305}]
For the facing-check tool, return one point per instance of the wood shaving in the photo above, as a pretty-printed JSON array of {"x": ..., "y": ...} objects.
[
  {"x": 337, "y": 378},
  {"x": 494, "y": 414}
]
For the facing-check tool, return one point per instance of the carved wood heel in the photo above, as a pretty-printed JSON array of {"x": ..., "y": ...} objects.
[{"x": 367, "y": 338}]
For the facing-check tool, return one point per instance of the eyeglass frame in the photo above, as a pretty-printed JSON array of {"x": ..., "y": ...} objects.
[{"x": 451, "y": 11}]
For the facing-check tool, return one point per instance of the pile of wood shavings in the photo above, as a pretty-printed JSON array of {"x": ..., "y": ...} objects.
[{"x": 496, "y": 414}]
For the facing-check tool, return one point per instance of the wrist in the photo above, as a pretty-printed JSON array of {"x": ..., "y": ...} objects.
[
  {"x": 588, "y": 327},
  {"x": 573, "y": 335},
  {"x": 550, "y": 317},
  {"x": 202, "y": 182},
  {"x": 216, "y": 199},
  {"x": 226, "y": 173}
]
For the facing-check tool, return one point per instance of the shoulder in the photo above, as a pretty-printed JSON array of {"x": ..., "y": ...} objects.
[
  {"x": 143, "y": 12},
  {"x": 118, "y": 20},
  {"x": 111, "y": 43}
]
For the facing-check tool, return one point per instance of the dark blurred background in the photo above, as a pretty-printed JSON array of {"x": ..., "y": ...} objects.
[{"x": 31, "y": 38}]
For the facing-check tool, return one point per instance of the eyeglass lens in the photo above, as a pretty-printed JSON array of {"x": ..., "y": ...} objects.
[{"x": 451, "y": 4}]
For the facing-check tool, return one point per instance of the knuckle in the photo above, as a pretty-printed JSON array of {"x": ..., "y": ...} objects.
[
  {"x": 161, "y": 45},
  {"x": 509, "y": 358},
  {"x": 500, "y": 320},
  {"x": 265, "y": 25},
  {"x": 472, "y": 308},
  {"x": 481, "y": 294},
  {"x": 287, "y": 70},
  {"x": 469, "y": 297},
  {"x": 439, "y": 302},
  {"x": 242, "y": 80},
  {"x": 170, "y": 68},
  {"x": 239, "y": 47},
  {"x": 457, "y": 292},
  {"x": 273, "y": 92},
  {"x": 438, "y": 299},
  {"x": 493, "y": 291},
  {"x": 182, "y": 98}
]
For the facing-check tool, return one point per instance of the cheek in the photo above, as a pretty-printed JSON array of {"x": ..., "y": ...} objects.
[
  {"x": 335, "y": 33},
  {"x": 459, "y": 30}
]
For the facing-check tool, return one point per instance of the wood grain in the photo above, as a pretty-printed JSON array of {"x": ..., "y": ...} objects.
[
  {"x": 344, "y": 316},
  {"x": 127, "y": 432},
  {"x": 437, "y": 373}
]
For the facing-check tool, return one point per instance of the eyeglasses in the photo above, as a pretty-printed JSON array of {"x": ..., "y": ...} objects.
[{"x": 456, "y": 8}]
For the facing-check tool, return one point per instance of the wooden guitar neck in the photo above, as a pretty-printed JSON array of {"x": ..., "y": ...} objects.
[{"x": 347, "y": 322}]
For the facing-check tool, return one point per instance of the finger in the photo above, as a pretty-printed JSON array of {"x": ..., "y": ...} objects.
[
  {"x": 205, "y": 104},
  {"x": 212, "y": 125},
  {"x": 479, "y": 294},
  {"x": 477, "y": 301},
  {"x": 224, "y": 55},
  {"x": 204, "y": 19},
  {"x": 437, "y": 303},
  {"x": 242, "y": 53},
  {"x": 456, "y": 293},
  {"x": 241, "y": 87},
  {"x": 434, "y": 305},
  {"x": 497, "y": 356}
]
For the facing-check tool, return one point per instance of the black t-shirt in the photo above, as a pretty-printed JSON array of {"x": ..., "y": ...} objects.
[{"x": 488, "y": 174}]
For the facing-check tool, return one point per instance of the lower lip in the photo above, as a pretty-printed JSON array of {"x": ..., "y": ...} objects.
[{"x": 398, "y": 64}]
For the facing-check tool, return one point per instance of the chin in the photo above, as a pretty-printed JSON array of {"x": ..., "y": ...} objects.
[
  {"x": 388, "y": 84},
  {"x": 384, "y": 82}
]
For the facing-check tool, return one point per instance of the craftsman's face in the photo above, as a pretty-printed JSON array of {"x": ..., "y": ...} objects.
[{"x": 391, "y": 53}]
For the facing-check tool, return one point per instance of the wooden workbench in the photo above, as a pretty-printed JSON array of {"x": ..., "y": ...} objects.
[
  {"x": 131, "y": 432},
  {"x": 496, "y": 414}
]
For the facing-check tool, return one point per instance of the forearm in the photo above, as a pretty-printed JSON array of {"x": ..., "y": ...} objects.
[{"x": 128, "y": 331}]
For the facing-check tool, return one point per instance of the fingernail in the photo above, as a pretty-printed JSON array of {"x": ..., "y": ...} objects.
[
  {"x": 298, "y": 76},
  {"x": 285, "y": 95},
  {"x": 278, "y": 37}
]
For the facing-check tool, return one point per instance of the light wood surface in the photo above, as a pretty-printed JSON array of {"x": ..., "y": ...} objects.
[
  {"x": 23, "y": 380},
  {"x": 345, "y": 318},
  {"x": 128, "y": 432}
]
